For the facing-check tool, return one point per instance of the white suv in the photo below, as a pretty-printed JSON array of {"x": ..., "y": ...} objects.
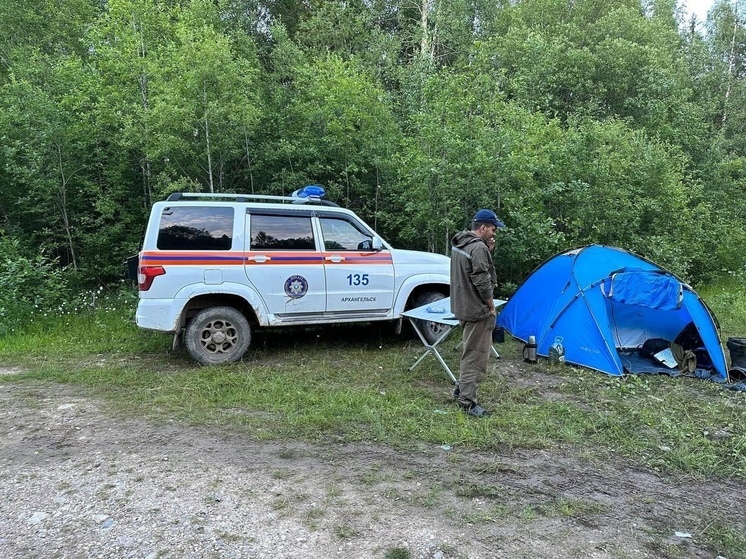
[{"x": 214, "y": 266}]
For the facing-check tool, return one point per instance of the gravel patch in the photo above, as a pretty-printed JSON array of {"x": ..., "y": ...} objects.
[{"x": 81, "y": 481}]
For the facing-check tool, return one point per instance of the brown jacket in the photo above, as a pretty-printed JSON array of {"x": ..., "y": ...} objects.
[{"x": 473, "y": 277}]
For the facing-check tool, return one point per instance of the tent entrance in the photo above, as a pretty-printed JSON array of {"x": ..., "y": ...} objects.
[{"x": 642, "y": 306}]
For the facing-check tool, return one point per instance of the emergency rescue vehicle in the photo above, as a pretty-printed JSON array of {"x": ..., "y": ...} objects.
[{"x": 214, "y": 267}]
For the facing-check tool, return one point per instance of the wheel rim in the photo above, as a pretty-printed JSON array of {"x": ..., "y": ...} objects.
[
  {"x": 436, "y": 328},
  {"x": 218, "y": 336}
]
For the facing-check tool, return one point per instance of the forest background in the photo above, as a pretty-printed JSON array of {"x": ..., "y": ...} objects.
[{"x": 618, "y": 122}]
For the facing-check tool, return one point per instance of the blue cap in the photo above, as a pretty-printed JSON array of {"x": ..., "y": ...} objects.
[{"x": 487, "y": 216}]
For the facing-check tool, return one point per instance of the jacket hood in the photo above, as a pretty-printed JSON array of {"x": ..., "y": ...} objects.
[{"x": 464, "y": 238}]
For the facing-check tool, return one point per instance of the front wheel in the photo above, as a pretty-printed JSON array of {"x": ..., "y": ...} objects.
[
  {"x": 432, "y": 331},
  {"x": 218, "y": 335}
]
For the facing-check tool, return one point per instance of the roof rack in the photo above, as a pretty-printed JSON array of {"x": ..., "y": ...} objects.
[{"x": 176, "y": 196}]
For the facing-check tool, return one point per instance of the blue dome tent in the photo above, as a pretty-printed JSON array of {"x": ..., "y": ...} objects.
[{"x": 600, "y": 304}]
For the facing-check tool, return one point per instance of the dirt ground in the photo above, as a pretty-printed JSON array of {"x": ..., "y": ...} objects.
[{"x": 80, "y": 481}]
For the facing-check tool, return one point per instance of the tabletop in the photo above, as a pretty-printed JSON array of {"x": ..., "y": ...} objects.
[{"x": 439, "y": 311}]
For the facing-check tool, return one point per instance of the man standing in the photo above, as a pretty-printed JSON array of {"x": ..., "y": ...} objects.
[{"x": 473, "y": 281}]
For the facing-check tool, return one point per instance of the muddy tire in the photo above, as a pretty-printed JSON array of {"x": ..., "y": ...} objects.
[{"x": 218, "y": 335}]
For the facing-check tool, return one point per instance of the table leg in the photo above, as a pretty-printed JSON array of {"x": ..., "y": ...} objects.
[{"x": 433, "y": 349}]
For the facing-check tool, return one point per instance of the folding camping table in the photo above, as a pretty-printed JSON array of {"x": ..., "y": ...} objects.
[{"x": 445, "y": 318}]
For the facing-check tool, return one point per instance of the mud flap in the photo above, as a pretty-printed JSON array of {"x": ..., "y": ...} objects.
[{"x": 177, "y": 344}]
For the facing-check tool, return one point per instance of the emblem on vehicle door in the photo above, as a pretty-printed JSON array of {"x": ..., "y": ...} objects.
[{"x": 296, "y": 287}]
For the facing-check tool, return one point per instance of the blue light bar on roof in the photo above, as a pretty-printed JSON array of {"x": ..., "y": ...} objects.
[{"x": 310, "y": 191}]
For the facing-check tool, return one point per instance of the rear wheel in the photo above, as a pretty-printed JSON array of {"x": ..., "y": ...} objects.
[
  {"x": 218, "y": 335},
  {"x": 430, "y": 330}
]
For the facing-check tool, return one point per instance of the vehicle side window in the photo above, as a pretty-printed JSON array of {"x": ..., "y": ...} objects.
[
  {"x": 340, "y": 234},
  {"x": 196, "y": 228},
  {"x": 281, "y": 232}
]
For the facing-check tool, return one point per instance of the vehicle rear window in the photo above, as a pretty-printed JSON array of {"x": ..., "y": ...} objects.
[
  {"x": 281, "y": 232},
  {"x": 196, "y": 228}
]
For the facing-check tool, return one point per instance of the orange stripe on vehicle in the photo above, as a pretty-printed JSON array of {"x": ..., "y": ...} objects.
[
  {"x": 360, "y": 257},
  {"x": 187, "y": 258},
  {"x": 191, "y": 259}
]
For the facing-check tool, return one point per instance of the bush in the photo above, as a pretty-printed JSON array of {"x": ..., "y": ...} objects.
[{"x": 31, "y": 284}]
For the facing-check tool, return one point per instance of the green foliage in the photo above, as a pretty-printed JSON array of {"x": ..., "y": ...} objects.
[
  {"x": 577, "y": 122},
  {"x": 577, "y": 59},
  {"x": 331, "y": 124},
  {"x": 46, "y": 25},
  {"x": 727, "y": 298},
  {"x": 49, "y": 153},
  {"x": 627, "y": 190},
  {"x": 204, "y": 102},
  {"x": 32, "y": 285}
]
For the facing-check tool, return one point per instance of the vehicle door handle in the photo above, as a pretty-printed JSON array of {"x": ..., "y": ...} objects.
[
  {"x": 259, "y": 258},
  {"x": 336, "y": 258}
]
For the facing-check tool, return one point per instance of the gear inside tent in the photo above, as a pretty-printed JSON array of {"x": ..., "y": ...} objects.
[{"x": 608, "y": 309}]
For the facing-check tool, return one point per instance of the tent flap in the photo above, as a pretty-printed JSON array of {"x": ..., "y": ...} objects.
[{"x": 646, "y": 289}]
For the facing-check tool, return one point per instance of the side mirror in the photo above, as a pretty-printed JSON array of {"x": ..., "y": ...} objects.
[{"x": 372, "y": 245}]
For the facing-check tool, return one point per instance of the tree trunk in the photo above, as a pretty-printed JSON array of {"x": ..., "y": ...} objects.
[
  {"x": 145, "y": 167},
  {"x": 63, "y": 210},
  {"x": 248, "y": 159},
  {"x": 731, "y": 63},
  {"x": 207, "y": 141}
]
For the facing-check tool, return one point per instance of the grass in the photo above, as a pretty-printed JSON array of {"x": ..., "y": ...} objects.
[
  {"x": 352, "y": 383},
  {"x": 727, "y": 299}
]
